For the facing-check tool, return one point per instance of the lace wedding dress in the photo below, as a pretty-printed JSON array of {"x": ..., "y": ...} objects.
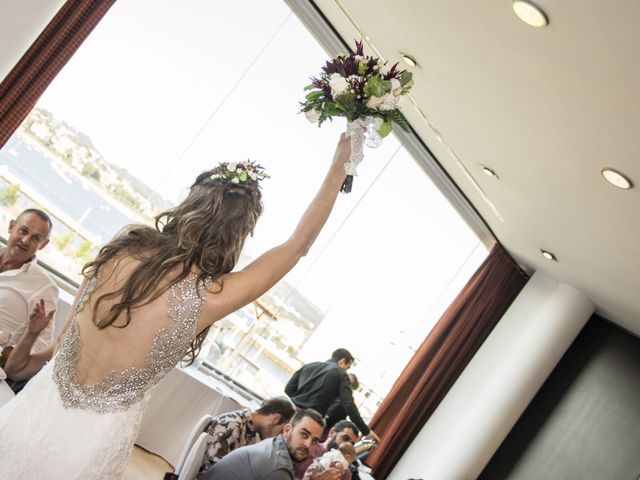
[{"x": 57, "y": 428}]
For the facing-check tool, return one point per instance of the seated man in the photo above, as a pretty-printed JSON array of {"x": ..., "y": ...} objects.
[
  {"x": 237, "y": 429},
  {"x": 23, "y": 284},
  {"x": 343, "y": 431},
  {"x": 274, "y": 458}
]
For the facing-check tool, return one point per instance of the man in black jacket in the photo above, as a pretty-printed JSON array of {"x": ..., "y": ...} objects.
[{"x": 317, "y": 385}]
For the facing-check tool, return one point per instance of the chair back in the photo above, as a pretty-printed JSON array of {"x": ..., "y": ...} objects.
[
  {"x": 193, "y": 462},
  {"x": 197, "y": 429}
]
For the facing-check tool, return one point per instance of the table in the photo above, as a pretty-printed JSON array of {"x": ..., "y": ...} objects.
[{"x": 183, "y": 397}]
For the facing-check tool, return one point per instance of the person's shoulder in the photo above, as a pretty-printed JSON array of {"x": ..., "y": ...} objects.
[
  {"x": 313, "y": 365},
  {"x": 237, "y": 416},
  {"x": 241, "y": 454},
  {"x": 36, "y": 272},
  {"x": 259, "y": 450}
]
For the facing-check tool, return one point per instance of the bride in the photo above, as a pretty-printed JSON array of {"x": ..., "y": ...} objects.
[{"x": 146, "y": 302}]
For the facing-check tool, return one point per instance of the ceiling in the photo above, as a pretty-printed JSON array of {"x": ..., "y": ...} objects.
[{"x": 545, "y": 108}]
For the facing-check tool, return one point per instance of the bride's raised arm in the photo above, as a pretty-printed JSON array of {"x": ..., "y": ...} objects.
[{"x": 242, "y": 287}]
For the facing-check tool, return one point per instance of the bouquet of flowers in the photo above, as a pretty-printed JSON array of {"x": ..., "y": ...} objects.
[{"x": 365, "y": 91}]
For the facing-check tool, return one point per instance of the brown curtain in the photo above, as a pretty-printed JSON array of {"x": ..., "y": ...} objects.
[
  {"x": 442, "y": 357},
  {"x": 22, "y": 87}
]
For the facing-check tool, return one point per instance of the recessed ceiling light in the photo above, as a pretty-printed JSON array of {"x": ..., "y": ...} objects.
[
  {"x": 409, "y": 60},
  {"x": 488, "y": 171},
  {"x": 529, "y": 13},
  {"x": 548, "y": 255},
  {"x": 616, "y": 178}
]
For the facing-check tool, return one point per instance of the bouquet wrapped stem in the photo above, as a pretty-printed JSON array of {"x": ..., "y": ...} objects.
[{"x": 356, "y": 130}]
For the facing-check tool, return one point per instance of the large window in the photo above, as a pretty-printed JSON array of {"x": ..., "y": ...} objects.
[{"x": 156, "y": 95}]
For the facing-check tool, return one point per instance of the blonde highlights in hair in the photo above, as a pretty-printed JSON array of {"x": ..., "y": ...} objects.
[{"x": 203, "y": 234}]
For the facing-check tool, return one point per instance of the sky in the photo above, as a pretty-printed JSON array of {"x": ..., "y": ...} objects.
[{"x": 168, "y": 91}]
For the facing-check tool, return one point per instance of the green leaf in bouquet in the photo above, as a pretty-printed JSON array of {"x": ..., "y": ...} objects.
[
  {"x": 376, "y": 86},
  {"x": 406, "y": 78},
  {"x": 314, "y": 95},
  {"x": 340, "y": 106},
  {"x": 362, "y": 67},
  {"x": 331, "y": 110},
  {"x": 347, "y": 100},
  {"x": 311, "y": 86},
  {"x": 384, "y": 129},
  {"x": 408, "y": 86},
  {"x": 397, "y": 117}
]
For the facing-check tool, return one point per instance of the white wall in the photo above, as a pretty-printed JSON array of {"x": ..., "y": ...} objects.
[
  {"x": 21, "y": 21},
  {"x": 497, "y": 385}
]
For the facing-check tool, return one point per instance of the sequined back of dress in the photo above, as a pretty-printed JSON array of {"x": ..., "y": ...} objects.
[{"x": 122, "y": 388}]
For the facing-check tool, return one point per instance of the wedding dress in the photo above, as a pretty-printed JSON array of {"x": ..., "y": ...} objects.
[{"x": 57, "y": 428}]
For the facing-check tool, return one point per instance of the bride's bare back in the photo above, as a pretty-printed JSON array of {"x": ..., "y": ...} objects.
[{"x": 111, "y": 368}]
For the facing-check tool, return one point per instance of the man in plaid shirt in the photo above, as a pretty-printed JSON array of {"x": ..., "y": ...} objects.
[{"x": 237, "y": 429}]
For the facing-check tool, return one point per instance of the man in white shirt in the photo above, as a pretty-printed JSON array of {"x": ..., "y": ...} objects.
[{"x": 23, "y": 284}]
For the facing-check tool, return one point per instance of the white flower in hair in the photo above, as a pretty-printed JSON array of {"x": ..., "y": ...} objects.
[{"x": 239, "y": 172}]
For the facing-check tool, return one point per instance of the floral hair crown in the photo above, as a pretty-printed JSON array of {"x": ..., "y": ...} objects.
[{"x": 241, "y": 173}]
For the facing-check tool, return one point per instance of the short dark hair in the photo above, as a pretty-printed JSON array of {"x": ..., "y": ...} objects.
[
  {"x": 342, "y": 424},
  {"x": 36, "y": 211},
  {"x": 340, "y": 354},
  {"x": 280, "y": 405},
  {"x": 307, "y": 412}
]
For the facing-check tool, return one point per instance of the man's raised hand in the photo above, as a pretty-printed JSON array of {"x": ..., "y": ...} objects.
[{"x": 39, "y": 318}]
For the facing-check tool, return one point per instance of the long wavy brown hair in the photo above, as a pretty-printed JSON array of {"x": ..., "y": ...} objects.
[{"x": 205, "y": 233}]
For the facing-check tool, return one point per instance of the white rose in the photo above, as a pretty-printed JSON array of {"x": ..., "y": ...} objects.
[
  {"x": 231, "y": 167},
  {"x": 235, "y": 180},
  {"x": 337, "y": 83},
  {"x": 389, "y": 102},
  {"x": 312, "y": 115},
  {"x": 253, "y": 176},
  {"x": 396, "y": 86},
  {"x": 375, "y": 102}
]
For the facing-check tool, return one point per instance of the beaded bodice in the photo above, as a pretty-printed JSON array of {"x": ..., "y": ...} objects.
[{"x": 122, "y": 388}]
